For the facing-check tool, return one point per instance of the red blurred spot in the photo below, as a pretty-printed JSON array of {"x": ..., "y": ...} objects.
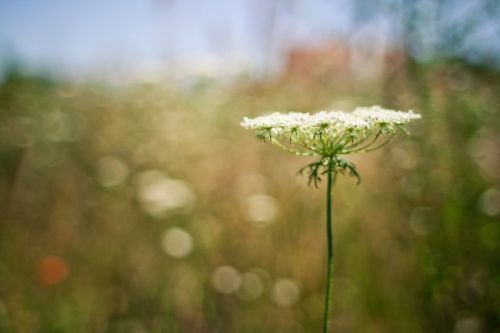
[{"x": 52, "y": 270}]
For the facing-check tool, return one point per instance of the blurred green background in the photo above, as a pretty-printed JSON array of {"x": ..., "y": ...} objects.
[{"x": 144, "y": 207}]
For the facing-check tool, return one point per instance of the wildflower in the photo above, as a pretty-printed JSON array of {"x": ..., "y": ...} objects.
[{"x": 329, "y": 135}]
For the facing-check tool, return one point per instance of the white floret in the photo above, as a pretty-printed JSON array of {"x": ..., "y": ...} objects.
[
  {"x": 328, "y": 132},
  {"x": 295, "y": 120},
  {"x": 276, "y": 119},
  {"x": 377, "y": 114},
  {"x": 337, "y": 119}
]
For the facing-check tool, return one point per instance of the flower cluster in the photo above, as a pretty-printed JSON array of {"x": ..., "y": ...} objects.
[
  {"x": 378, "y": 115},
  {"x": 329, "y": 134}
]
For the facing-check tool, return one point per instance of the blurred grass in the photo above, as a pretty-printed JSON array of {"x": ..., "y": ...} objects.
[{"x": 82, "y": 247}]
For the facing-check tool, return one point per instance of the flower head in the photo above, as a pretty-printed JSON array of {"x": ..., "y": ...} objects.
[{"x": 328, "y": 134}]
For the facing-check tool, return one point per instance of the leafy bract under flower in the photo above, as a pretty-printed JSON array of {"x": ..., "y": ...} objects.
[{"x": 330, "y": 133}]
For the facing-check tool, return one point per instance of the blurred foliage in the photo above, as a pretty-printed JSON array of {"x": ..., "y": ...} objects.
[{"x": 148, "y": 209}]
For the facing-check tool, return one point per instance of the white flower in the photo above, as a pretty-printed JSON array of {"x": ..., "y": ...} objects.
[
  {"x": 295, "y": 120},
  {"x": 276, "y": 120},
  {"x": 330, "y": 133},
  {"x": 377, "y": 115},
  {"x": 337, "y": 120}
]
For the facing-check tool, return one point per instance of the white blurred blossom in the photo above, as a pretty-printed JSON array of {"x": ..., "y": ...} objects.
[
  {"x": 261, "y": 209},
  {"x": 159, "y": 195},
  {"x": 490, "y": 202},
  {"x": 251, "y": 286},
  {"x": 226, "y": 279},
  {"x": 112, "y": 171},
  {"x": 177, "y": 242},
  {"x": 285, "y": 292}
]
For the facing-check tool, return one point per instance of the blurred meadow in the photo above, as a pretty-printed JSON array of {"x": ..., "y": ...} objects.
[{"x": 138, "y": 204}]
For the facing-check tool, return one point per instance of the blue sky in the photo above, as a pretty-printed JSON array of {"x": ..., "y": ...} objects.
[
  {"x": 77, "y": 36},
  {"x": 82, "y": 35}
]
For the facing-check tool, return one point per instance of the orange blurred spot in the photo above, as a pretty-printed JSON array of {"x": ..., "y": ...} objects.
[{"x": 52, "y": 270}]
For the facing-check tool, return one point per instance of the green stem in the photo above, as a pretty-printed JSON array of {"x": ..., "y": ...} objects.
[{"x": 329, "y": 232}]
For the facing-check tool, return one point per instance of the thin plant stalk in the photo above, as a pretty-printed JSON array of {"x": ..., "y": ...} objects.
[{"x": 329, "y": 233}]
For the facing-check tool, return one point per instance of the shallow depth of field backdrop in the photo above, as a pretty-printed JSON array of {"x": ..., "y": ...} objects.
[{"x": 132, "y": 201}]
